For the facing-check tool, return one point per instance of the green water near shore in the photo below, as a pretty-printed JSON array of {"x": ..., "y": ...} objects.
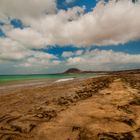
[{"x": 8, "y": 78}]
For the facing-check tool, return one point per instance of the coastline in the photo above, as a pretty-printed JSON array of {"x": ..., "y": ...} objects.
[
  {"x": 90, "y": 108},
  {"x": 28, "y": 83}
]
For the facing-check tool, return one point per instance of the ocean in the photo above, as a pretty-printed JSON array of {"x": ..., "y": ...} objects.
[{"x": 8, "y": 78}]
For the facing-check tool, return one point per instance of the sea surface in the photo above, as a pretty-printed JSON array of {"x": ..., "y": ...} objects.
[{"x": 8, "y": 78}]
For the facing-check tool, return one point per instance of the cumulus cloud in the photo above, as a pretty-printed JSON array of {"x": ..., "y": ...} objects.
[
  {"x": 12, "y": 51},
  {"x": 109, "y": 23},
  {"x": 26, "y": 9},
  {"x": 112, "y": 23},
  {"x": 27, "y": 37},
  {"x": 70, "y": 54},
  {"x": 67, "y": 54},
  {"x": 39, "y": 59},
  {"x": 42, "y": 32}
]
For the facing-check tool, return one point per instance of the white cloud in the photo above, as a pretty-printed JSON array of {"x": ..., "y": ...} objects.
[
  {"x": 104, "y": 60},
  {"x": 111, "y": 23},
  {"x": 70, "y": 53},
  {"x": 108, "y": 24},
  {"x": 26, "y": 9},
  {"x": 41, "y": 32},
  {"x": 24, "y": 59},
  {"x": 67, "y": 54},
  {"x": 12, "y": 51},
  {"x": 27, "y": 37}
]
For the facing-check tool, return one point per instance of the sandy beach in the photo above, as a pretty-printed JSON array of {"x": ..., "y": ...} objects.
[
  {"x": 101, "y": 108},
  {"x": 69, "y": 69}
]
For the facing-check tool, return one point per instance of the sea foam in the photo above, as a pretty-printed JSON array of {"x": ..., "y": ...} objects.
[{"x": 64, "y": 80}]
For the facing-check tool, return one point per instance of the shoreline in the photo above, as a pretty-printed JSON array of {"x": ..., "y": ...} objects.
[
  {"x": 12, "y": 85},
  {"x": 22, "y": 78}
]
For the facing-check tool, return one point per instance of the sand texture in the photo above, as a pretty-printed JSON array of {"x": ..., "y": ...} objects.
[{"x": 103, "y": 108}]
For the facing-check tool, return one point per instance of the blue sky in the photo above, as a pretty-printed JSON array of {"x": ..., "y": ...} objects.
[
  {"x": 17, "y": 23},
  {"x": 2, "y": 34},
  {"x": 130, "y": 47},
  {"x": 31, "y": 39},
  {"x": 88, "y": 3}
]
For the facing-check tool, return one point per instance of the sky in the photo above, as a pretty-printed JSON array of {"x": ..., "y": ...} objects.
[{"x": 51, "y": 36}]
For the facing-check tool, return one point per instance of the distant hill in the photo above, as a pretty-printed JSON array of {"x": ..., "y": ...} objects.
[{"x": 73, "y": 70}]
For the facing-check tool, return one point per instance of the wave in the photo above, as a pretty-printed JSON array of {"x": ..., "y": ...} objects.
[{"x": 64, "y": 80}]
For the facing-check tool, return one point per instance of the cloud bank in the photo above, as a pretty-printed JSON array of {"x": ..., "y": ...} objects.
[
  {"x": 21, "y": 9},
  {"x": 104, "y": 60},
  {"x": 110, "y": 23}
]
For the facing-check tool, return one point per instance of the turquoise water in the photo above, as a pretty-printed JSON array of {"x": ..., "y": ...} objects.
[{"x": 7, "y": 78}]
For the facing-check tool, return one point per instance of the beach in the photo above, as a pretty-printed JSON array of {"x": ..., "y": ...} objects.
[{"x": 105, "y": 107}]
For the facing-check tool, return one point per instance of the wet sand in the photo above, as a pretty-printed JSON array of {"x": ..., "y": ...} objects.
[{"x": 103, "y": 108}]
